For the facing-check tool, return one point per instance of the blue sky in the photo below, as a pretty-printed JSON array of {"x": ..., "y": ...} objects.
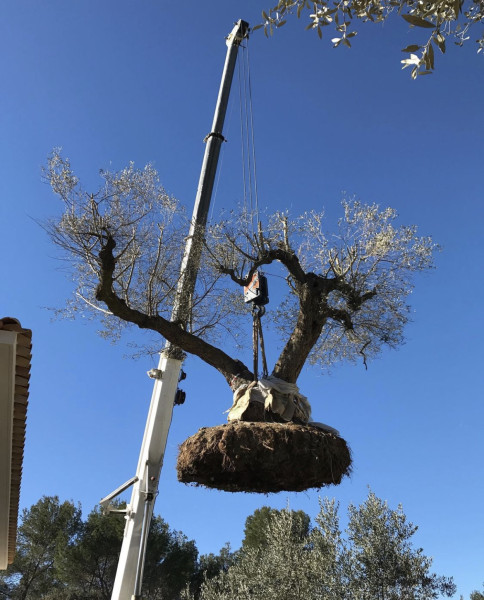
[{"x": 117, "y": 81}]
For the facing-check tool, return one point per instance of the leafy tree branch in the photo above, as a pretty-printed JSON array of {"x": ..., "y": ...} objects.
[{"x": 444, "y": 19}]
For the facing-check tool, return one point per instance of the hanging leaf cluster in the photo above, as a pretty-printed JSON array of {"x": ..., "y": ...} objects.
[{"x": 443, "y": 19}]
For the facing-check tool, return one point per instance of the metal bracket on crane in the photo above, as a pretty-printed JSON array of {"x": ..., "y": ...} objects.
[
  {"x": 155, "y": 374},
  {"x": 151, "y": 481},
  {"x": 107, "y": 499},
  {"x": 238, "y": 33},
  {"x": 180, "y": 397},
  {"x": 215, "y": 134}
]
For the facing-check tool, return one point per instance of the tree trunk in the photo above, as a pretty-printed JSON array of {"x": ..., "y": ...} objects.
[{"x": 310, "y": 323}]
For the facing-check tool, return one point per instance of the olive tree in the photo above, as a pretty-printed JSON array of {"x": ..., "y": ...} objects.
[
  {"x": 374, "y": 558},
  {"x": 443, "y": 20},
  {"x": 385, "y": 564},
  {"x": 346, "y": 292},
  {"x": 288, "y": 567}
]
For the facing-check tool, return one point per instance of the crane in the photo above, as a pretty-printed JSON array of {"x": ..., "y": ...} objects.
[{"x": 138, "y": 513}]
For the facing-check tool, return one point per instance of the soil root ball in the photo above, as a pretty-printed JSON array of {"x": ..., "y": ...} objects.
[{"x": 263, "y": 457}]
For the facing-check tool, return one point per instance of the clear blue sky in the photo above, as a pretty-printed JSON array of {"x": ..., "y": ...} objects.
[{"x": 114, "y": 81}]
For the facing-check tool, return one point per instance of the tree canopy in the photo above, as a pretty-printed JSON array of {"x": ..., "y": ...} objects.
[
  {"x": 48, "y": 530},
  {"x": 441, "y": 20},
  {"x": 257, "y": 526},
  {"x": 61, "y": 557},
  {"x": 374, "y": 558},
  {"x": 346, "y": 291},
  {"x": 284, "y": 556}
]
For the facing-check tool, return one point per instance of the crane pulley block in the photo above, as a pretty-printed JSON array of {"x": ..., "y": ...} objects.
[{"x": 257, "y": 291}]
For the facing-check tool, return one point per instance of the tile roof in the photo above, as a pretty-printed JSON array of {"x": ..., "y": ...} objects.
[{"x": 21, "y": 394}]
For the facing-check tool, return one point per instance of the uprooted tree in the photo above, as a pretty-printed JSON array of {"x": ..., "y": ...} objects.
[{"x": 346, "y": 293}]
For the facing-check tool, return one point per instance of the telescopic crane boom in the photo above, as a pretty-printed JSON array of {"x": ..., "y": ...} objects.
[{"x": 129, "y": 575}]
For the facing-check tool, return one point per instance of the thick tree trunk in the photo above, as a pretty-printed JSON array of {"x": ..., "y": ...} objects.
[
  {"x": 310, "y": 323},
  {"x": 314, "y": 311}
]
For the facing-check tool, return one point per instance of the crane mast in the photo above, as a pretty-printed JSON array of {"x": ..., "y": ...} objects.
[{"x": 138, "y": 514}]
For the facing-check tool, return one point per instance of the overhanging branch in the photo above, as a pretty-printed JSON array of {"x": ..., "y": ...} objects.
[{"x": 171, "y": 331}]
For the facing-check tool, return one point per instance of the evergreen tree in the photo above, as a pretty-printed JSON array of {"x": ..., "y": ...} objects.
[
  {"x": 48, "y": 530},
  {"x": 60, "y": 557},
  {"x": 287, "y": 567},
  {"x": 209, "y": 566},
  {"x": 256, "y": 526},
  {"x": 88, "y": 567}
]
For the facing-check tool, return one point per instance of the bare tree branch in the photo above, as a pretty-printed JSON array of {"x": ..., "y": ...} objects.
[{"x": 215, "y": 357}]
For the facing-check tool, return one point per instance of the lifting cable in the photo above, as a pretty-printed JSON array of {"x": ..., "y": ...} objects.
[
  {"x": 256, "y": 292},
  {"x": 249, "y": 164}
]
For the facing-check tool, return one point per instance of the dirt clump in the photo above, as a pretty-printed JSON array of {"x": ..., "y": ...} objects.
[{"x": 263, "y": 457}]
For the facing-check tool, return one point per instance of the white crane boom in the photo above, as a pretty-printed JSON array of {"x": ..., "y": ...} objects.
[{"x": 129, "y": 575}]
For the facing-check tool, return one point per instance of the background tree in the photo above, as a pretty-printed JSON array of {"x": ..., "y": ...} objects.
[
  {"x": 346, "y": 293},
  {"x": 442, "y": 19},
  {"x": 89, "y": 569},
  {"x": 47, "y": 531},
  {"x": 385, "y": 564},
  {"x": 171, "y": 562},
  {"x": 89, "y": 566},
  {"x": 256, "y": 526},
  {"x": 209, "y": 566},
  {"x": 475, "y": 595},
  {"x": 374, "y": 560},
  {"x": 284, "y": 568},
  {"x": 60, "y": 557}
]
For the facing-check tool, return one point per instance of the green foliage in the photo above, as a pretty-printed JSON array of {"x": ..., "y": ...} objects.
[
  {"x": 283, "y": 557},
  {"x": 386, "y": 565},
  {"x": 60, "y": 557},
  {"x": 284, "y": 568},
  {"x": 475, "y": 595},
  {"x": 89, "y": 566},
  {"x": 374, "y": 559},
  {"x": 48, "y": 530},
  {"x": 171, "y": 561},
  {"x": 256, "y": 526},
  {"x": 208, "y": 567},
  {"x": 444, "y": 19}
]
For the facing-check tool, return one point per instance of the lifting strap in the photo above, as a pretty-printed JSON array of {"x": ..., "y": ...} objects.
[{"x": 258, "y": 341}]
